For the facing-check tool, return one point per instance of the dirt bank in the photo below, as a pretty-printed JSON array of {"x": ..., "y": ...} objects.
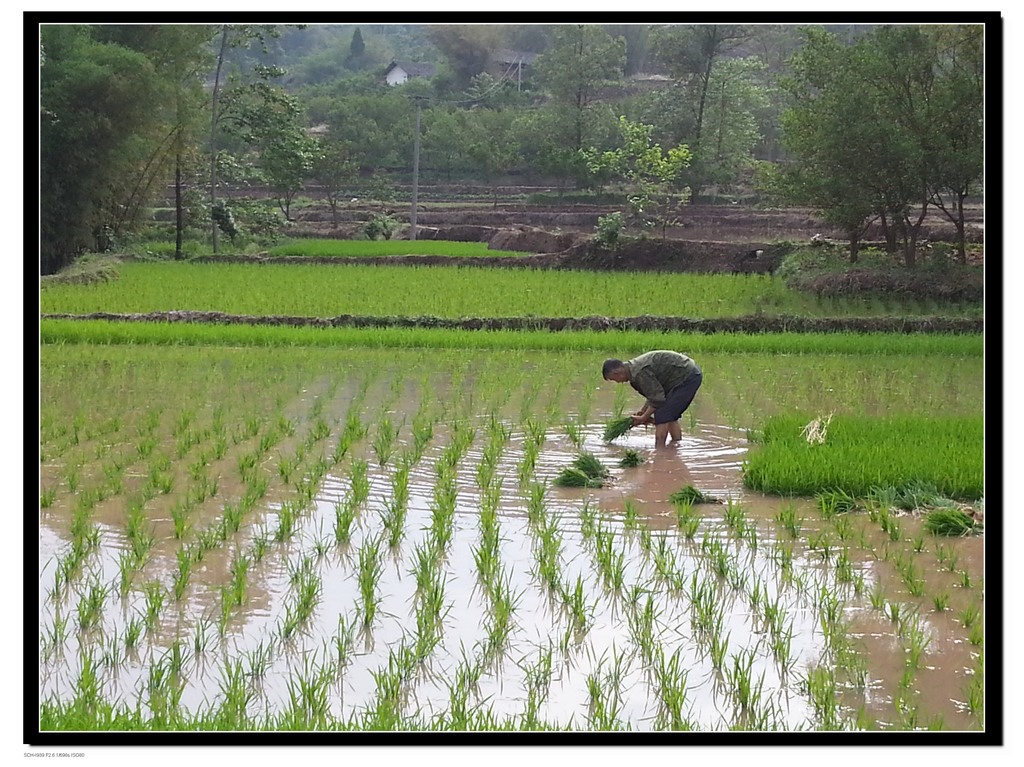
[{"x": 750, "y": 324}]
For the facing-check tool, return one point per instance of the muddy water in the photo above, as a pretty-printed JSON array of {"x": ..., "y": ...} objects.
[{"x": 709, "y": 457}]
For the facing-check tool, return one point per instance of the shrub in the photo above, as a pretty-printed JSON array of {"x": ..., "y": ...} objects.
[
  {"x": 380, "y": 226},
  {"x": 608, "y": 230}
]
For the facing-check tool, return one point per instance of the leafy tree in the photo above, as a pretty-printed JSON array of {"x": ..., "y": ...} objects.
[
  {"x": 648, "y": 172},
  {"x": 444, "y": 141},
  {"x": 105, "y": 136},
  {"x": 285, "y": 162},
  {"x": 491, "y": 145},
  {"x": 582, "y": 58},
  {"x": 956, "y": 141},
  {"x": 692, "y": 54},
  {"x": 333, "y": 169},
  {"x": 829, "y": 131},
  {"x": 357, "y": 47},
  {"x": 467, "y": 47}
]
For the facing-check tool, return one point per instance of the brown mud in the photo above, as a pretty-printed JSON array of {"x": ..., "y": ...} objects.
[{"x": 750, "y": 324}]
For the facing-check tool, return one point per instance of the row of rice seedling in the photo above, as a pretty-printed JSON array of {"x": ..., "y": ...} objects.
[
  {"x": 326, "y": 291},
  {"x": 363, "y": 248},
  {"x": 287, "y": 596},
  {"x": 858, "y": 454},
  {"x": 884, "y": 345}
]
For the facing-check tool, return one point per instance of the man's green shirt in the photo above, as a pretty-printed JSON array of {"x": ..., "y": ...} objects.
[{"x": 656, "y": 373}]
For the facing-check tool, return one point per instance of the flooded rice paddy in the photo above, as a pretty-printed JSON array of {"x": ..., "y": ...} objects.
[{"x": 381, "y": 551}]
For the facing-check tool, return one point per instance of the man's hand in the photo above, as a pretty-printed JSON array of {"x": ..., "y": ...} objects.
[{"x": 639, "y": 419}]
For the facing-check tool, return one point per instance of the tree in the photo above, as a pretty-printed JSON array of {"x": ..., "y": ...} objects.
[
  {"x": 333, "y": 169},
  {"x": 648, "y": 172},
  {"x": 180, "y": 53},
  {"x": 829, "y": 132},
  {"x": 285, "y": 162},
  {"x": 956, "y": 142},
  {"x": 582, "y": 58},
  {"x": 692, "y": 53},
  {"x": 884, "y": 124},
  {"x": 491, "y": 145},
  {"x": 105, "y": 135},
  {"x": 357, "y": 47},
  {"x": 240, "y": 113}
]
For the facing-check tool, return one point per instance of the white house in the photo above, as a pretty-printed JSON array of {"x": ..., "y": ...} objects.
[{"x": 400, "y": 71}]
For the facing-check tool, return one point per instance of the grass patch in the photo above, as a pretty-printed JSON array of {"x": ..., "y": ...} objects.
[{"x": 861, "y": 453}]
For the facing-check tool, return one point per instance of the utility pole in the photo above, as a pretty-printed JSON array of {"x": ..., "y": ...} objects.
[{"x": 415, "y": 172}]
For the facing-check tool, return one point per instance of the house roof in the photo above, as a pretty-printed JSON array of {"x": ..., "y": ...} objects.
[
  {"x": 414, "y": 68},
  {"x": 508, "y": 56}
]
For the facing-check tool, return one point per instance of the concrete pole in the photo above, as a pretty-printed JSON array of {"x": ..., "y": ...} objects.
[{"x": 415, "y": 174}]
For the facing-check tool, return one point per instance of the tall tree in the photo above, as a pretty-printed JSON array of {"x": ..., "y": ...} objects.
[
  {"x": 582, "y": 58},
  {"x": 333, "y": 169},
  {"x": 102, "y": 124}
]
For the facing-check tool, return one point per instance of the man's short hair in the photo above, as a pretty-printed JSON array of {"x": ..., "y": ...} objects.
[{"x": 611, "y": 366}]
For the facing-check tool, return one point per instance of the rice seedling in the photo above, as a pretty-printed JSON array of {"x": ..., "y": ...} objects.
[
  {"x": 835, "y": 501},
  {"x": 535, "y": 504},
  {"x": 965, "y": 579},
  {"x": 155, "y": 598},
  {"x": 686, "y": 518},
  {"x": 90, "y": 606},
  {"x": 950, "y": 522},
  {"x": 369, "y": 572},
  {"x": 616, "y": 427},
  {"x": 344, "y": 515},
  {"x": 132, "y": 633},
  {"x": 570, "y": 476},
  {"x": 183, "y": 574},
  {"x": 574, "y": 432},
  {"x": 690, "y": 494},
  {"x": 384, "y": 441},
  {"x": 236, "y": 696},
  {"x": 969, "y": 615},
  {"x": 819, "y": 684},
  {"x": 585, "y": 471},
  {"x": 580, "y": 612},
  {"x": 631, "y": 458}
]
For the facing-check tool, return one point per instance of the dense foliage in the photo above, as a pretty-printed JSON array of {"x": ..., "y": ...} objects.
[{"x": 881, "y": 122}]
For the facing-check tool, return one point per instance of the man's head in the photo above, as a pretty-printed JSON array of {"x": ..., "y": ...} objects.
[{"x": 615, "y": 370}]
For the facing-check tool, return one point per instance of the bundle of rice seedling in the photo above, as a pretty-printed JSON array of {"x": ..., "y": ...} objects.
[
  {"x": 585, "y": 471},
  {"x": 631, "y": 458},
  {"x": 950, "y": 522},
  {"x": 617, "y": 427},
  {"x": 590, "y": 465},
  {"x": 690, "y": 494},
  {"x": 571, "y": 476}
]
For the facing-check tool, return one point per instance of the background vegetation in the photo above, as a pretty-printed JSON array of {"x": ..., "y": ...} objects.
[{"x": 866, "y": 123}]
